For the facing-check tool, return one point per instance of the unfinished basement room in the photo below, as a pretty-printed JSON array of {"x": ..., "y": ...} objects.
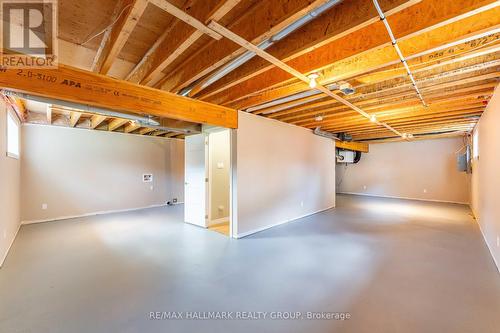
[{"x": 250, "y": 166}]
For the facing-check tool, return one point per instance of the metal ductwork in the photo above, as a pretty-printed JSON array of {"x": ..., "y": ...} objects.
[
  {"x": 325, "y": 134},
  {"x": 85, "y": 108}
]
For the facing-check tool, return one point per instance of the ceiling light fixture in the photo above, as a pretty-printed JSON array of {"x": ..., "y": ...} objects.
[
  {"x": 319, "y": 118},
  {"x": 373, "y": 118},
  {"x": 312, "y": 80}
]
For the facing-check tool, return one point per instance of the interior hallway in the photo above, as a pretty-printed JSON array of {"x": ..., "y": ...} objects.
[{"x": 394, "y": 265}]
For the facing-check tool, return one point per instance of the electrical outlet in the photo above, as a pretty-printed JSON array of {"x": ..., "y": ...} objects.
[
  {"x": 425, "y": 190},
  {"x": 302, "y": 204},
  {"x": 45, "y": 206},
  {"x": 151, "y": 187},
  {"x": 364, "y": 187}
]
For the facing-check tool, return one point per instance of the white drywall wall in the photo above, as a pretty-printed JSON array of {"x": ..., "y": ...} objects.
[
  {"x": 219, "y": 166},
  {"x": 485, "y": 187},
  {"x": 425, "y": 170},
  {"x": 77, "y": 172},
  {"x": 10, "y": 197},
  {"x": 283, "y": 172}
]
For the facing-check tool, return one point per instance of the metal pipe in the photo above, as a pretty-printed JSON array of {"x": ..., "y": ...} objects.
[
  {"x": 84, "y": 108},
  {"x": 304, "y": 94},
  {"x": 232, "y": 65},
  {"x": 394, "y": 42}
]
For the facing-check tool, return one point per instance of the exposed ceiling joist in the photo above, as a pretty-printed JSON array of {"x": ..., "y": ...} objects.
[
  {"x": 123, "y": 25},
  {"x": 183, "y": 16},
  {"x": 259, "y": 23},
  {"x": 246, "y": 44},
  {"x": 369, "y": 48},
  {"x": 181, "y": 37},
  {"x": 340, "y": 21}
]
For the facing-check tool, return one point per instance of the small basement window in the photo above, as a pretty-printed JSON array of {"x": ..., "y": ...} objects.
[{"x": 12, "y": 135}]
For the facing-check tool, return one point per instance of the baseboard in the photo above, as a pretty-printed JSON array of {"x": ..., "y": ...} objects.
[
  {"x": 221, "y": 220},
  {"x": 248, "y": 233},
  {"x": 486, "y": 241},
  {"x": 11, "y": 243},
  {"x": 404, "y": 198},
  {"x": 60, "y": 218}
]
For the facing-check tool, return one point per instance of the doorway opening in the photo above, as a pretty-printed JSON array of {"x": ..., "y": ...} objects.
[{"x": 208, "y": 180}]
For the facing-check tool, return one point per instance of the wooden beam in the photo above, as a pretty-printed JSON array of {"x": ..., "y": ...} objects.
[
  {"x": 116, "y": 123},
  {"x": 272, "y": 16},
  {"x": 183, "y": 16},
  {"x": 74, "y": 117},
  {"x": 352, "y": 145},
  {"x": 345, "y": 18},
  {"x": 96, "y": 120},
  {"x": 178, "y": 38},
  {"x": 369, "y": 48},
  {"x": 131, "y": 11},
  {"x": 79, "y": 86}
]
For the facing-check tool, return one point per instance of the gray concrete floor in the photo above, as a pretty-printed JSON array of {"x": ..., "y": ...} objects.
[{"x": 394, "y": 265}]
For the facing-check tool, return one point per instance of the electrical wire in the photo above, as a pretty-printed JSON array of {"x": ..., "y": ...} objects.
[{"x": 109, "y": 26}]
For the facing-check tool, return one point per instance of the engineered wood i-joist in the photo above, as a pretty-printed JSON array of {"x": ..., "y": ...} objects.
[
  {"x": 181, "y": 37},
  {"x": 260, "y": 22},
  {"x": 369, "y": 48},
  {"x": 344, "y": 18}
]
